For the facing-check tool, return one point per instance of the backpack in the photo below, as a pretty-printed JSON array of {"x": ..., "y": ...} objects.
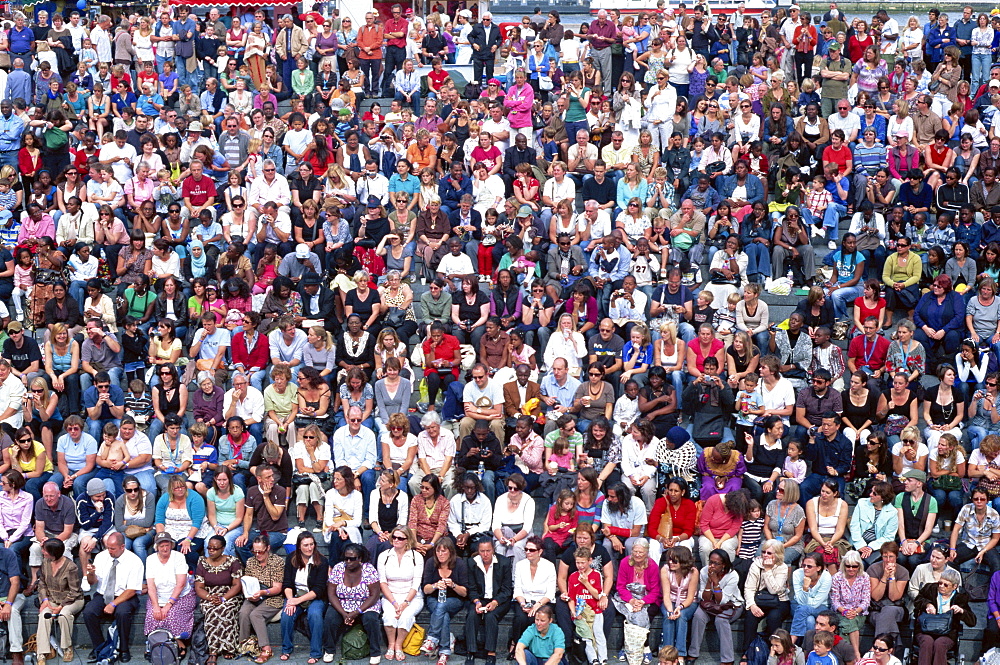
[
  {"x": 758, "y": 651},
  {"x": 161, "y": 648},
  {"x": 198, "y": 652},
  {"x": 472, "y": 91}
]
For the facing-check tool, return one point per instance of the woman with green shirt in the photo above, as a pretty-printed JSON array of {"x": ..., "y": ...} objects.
[
  {"x": 302, "y": 79},
  {"x": 140, "y": 300},
  {"x": 578, "y": 99},
  {"x": 901, "y": 275}
]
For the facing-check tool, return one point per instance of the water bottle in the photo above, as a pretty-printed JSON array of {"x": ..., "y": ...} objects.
[
  {"x": 789, "y": 275},
  {"x": 580, "y": 603},
  {"x": 442, "y": 595},
  {"x": 481, "y": 470}
]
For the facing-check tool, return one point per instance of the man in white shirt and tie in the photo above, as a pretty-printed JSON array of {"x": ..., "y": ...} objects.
[{"x": 115, "y": 576}]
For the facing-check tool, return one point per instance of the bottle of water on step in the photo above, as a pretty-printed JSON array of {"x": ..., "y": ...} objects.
[{"x": 790, "y": 275}]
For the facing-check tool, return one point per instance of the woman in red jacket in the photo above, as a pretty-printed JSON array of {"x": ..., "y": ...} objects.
[
  {"x": 29, "y": 159},
  {"x": 672, "y": 522},
  {"x": 251, "y": 350}
]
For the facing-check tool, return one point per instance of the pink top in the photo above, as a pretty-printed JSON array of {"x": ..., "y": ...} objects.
[
  {"x": 519, "y": 100},
  {"x": 695, "y": 345},
  {"x": 650, "y": 577},
  {"x": 22, "y": 277},
  {"x": 718, "y": 520},
  {"x": 561, "y": 535}
]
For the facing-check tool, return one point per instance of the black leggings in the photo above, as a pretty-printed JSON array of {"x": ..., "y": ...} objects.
[
  {"x": 773, "y": 619},
  {"x": 437, "y": 381}
]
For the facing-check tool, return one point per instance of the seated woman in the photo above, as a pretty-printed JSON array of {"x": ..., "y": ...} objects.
[
  {"x": 62, "y": 599},
  {"x": 40, "y": 410},
  {"x": 401, "y": 569},
  {"x": 314, "y": 400},
  {"x": 171, "y": 598},
  {"x": 311, "y": 457},
  {"x": 810, "y": 593},
  {"x": 976, "y": 533},
  {"x": 679, "y": 582},
  {"x": 353, "y": 591},
  {"x": 304, "y": 583},
  {"x": 62, "y": 364},
  {"x": 889, "y": 582},
  {"x": 826, "y": 517},
  {"x": 135, "y": 513},
  {"x": 535, "y": 645},
  {"x": 443, "y": 572},
  {"x": 280, "y": 406},
  {"x": 944, "y": 406},
  {"x": 945, "y": 473},
  {"x": 173, "y": 454},
  {"x": 206, "y": 407},
  {"x": 31, "y": 458},
  {"x": 534, "y": 586},
  {"x": 766, "y": 592},
  {"x": 342, "y": 513},
  {"x": 225, "y": 507},
  {"x": 638, "y": 594},
  {"x": 355, "y": 391},
  {"x": 170, "y": 396},
  {"x": 850, "y": 595},
  {"x": 15, "y": 516},
  {"x": 217, "y": 583},
  {"x": 871, "y": 525},
  {"x": 180, "y": 513},
  {"x": 897, "y": 408},
  {"x": 259, "y": 608},
  {"x": 719, "y": 601},
  {"x": 943, "y": 597}
]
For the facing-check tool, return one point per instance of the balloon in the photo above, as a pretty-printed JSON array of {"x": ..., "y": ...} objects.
[{"x": 81, "y": 4}]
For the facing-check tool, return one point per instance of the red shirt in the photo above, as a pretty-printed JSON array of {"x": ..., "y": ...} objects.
[
  {"x": 577, "y": 590},
  {"x": 868, "y": 354},
  {"x": 683, "y": 518},
  {"x": 838, "y": 157},
  {"x": 148, "y": 77},
  {"x": 257, "y": 356},
  {"x": 198, "y": 191},
  {"x": 444, "y": 351},
  {"x": 396, "y": 25},
  {"x": 436, "y": 78}
]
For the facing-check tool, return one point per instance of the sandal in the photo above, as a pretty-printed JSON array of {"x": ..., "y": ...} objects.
[
  {"x": 285, "y": 656},
  {"x": 313, "y": 661},
  {"x": 212, "y": 660},
  {"x": 265, "y": 655},
  {"x": 390, "y": 654}
]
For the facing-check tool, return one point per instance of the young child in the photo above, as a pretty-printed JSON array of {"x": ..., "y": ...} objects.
[
  {"x": 135, "y": 345},
  {"x": 751, "y": 532},
  {"x": 816, "y": 202},
  {"x": 23, "y": 281},
  {"x": 10, "y": 224},
  {"x": 749, "y": 405},
  {"x": 560, "y": 457},
  {"x": 822, "y": 650},
  {"x": 628, "y": 32},
  {"x": 111, "y": 446},
  {"x": 550, "y": 149},
  {"x": 88, "y": 56},
  {"x": 138, "y": 402},
  {"x": 626, "y": 408},
  {"x": 644, "y": 266},
  {"x": 560, "y": 523},
  {"x": 794, "y": 466},
  {"x": 703, "y": 312},
  {"x": 165, "y": 192},
  {"x": 584, "y": 588},
  {"x": 808, "y": 95},
  {"x": 205, "y": 460},
  {"x": 724, "y": 320},
  {"x": 344, "y": 124}
]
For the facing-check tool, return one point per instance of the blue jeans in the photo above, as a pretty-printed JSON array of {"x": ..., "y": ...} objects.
[
  {"x": 953, "y": 498},
  {"x": 231, "y": 537},
  {"x": 441, "y": 614},
  {"x": 33, "y": 486},
  {"x": 140, "y": 546},
  {"x": 160, "y": 60},
  {"x": 94, "y": 427},
  {"x": 414, "y": 101},
  {"x": 811, "y": 485},
  {"x": 277, "y": 540},
  {"x": 844, "y": 295},
  {"x": 980, "y": 69},
  {"x": 976, "y": 435},
  {"x": 314, "y": 617},
  {"x": 9, "y": 158},
  {"x": 79, "y": 485},
  {"x": 831, "y": 219},
  {"x": 184, "y": 77},
  {"x": 87, "y": 380},
  {"x": 532, "y": 659},
  {"x": 804, "y": 618},
  {"x": 675, "y": 631}
]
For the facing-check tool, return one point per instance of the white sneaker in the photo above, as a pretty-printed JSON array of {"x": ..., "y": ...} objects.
[
  {"x": 832, "y": 245},
  {"x": 817, "y": 231},
  {"x": 328, "y": 658}
]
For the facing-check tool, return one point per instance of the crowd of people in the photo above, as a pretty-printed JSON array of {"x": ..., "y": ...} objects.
[{"x": 499, "y": 349}]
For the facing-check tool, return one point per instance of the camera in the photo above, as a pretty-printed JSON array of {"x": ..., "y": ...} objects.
[{"x": 813, "y": 431}]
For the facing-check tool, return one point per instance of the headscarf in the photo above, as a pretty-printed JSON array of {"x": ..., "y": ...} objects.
[{"x": 198, "y": 265}]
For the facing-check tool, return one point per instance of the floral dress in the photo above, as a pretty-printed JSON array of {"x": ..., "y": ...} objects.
[
  {"x": 221, "y": 621},
  {"x": 353, "y": 597}
]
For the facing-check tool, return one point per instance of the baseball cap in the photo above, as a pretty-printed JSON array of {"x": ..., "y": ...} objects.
[
  {"x": 14, "y": 326},
  {"x": 525, "y": 211},
  {"x": 302, "y": 251}
]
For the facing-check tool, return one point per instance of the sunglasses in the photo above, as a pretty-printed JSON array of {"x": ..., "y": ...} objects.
[
  {"x": 132, "y": 491},
  {"x": 350, "y": 558},
  {"x": 399, "y": 539},
  {"x": 531, "y": 549}
]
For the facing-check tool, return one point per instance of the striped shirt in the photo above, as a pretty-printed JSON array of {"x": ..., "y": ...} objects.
[{"x": 870, "y": 159}]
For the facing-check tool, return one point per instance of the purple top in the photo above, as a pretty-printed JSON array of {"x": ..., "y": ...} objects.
[
  {"x": 650, "y": 577},
  {"x": 733, "y": 482},
  {"x": 353, "y": 597},
  {"x": 597, "y": 30},
  {"x": 993, "y": 598}
]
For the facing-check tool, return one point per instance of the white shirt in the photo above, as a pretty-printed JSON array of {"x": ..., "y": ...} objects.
[
  {"x": 849, "y": 124},
  {"x": 11, "y": 392},
  {"x": 121, "y": 169},
  {"x": 339, "y": 507},
  {"x": 299, "y": 452},
  {"x": 890, "y": 27},
  {"x": 251, "y": 408},
  {"x": 401, "y": 575},
  {"x": 557, "y": 192},
  {"x": 164, "y": 575},
  {"x": 491, "y": 127},
  {"x": 102, "y": 44},
  {"x": 456, "y": 265},
  {"x": 128, "y": 574},
  {"x": 781, "y": 396},
  {"x": 434, "y": 455},
  {"x": 477, "y": 515},
  {"x": 139, "y": 444},
  {"x": 277, "y": 190},
  {"x": 542, "y": 585},
  {"x": 493, "y": 392}
]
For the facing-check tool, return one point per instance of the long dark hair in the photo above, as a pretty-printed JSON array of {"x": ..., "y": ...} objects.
[
  {"x": 592, "y": 443},
  {"x": 297, "y": 559}
]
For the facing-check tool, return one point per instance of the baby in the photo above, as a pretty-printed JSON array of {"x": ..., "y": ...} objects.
[{"x": 113, "y": 448}]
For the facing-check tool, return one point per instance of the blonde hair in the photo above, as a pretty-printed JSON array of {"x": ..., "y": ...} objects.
[
  {"x": 912, "y": 431},
  {"x": 324, "y": 335}
]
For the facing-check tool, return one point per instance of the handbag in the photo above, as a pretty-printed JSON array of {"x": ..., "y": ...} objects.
[
  {"x": 714, "y": 609},
  {"x": 947, "y": 483},
  {"x": 354, "y": 644},
  {"x": 545, "y": 82},
  {"x": 395, "y": 317},
  {"x": 133, "y": 531},
  {"x": 936, "y": 625},
  {"x": 413, "y": 640},
  {"x": 715, "y": 167}
]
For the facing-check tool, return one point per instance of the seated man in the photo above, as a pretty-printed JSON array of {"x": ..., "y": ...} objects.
[
  {"x": 481, "y": 453},
  {"x": 868, "y": 352},
  {"x": 558, "y": 390},
  {"x": 267, "y": 500},
  {"x": 814, "y": 400},
  {"x": 55, "y": 517},
  {"x": 470, "y": 517},
  {"x": 517, "y": 393},
  {"x": 23, "y": 353},
  {"x": 99, "y": 349},
  {"x": 76, "y": 456},
  {"x": 609, "y": 265},
  {"x": 208, "y": 350},
  {"x": 483, "y": 400},
  {"x": 104, "y": 402},
  {"x": 831, "y": 454},
  {"x": 246, "y": 402},
  {"x": 116, "y": 578},
  {"x": 354, "y": 447}
]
